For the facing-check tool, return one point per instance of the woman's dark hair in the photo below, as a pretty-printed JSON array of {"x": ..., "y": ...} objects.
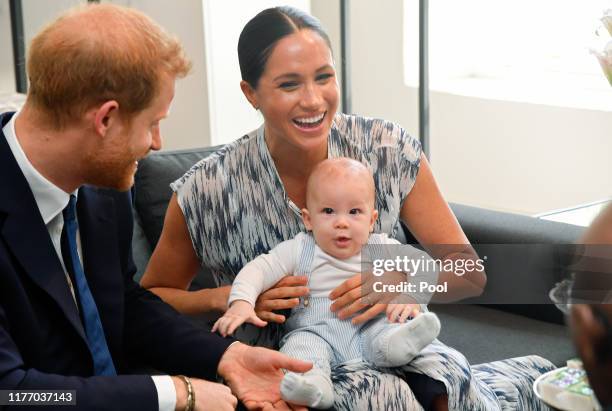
[{"x": 263, "y": 31}]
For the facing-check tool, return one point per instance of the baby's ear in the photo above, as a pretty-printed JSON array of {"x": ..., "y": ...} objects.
[
  {"x": 306, "y": 219},
  {"x": 373, "y": 220}
]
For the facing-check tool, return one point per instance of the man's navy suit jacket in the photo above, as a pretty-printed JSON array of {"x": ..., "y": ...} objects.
[{"x": 42, "y": 340}]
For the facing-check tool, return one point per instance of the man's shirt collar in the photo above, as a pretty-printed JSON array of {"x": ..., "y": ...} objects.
[{"x": 50, "y": 199}]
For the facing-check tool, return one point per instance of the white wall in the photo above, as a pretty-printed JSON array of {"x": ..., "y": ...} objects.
[
  {"x": 328, "y": 12},
  {"x": 520, "y": 157},
  {"x": 35, "y": 17},
  {"x": 231, "y": 115},
  {"x": 7, "y": 76},
  {"x": 188, "y": 123},
  {"x": 511, "y": 156}
]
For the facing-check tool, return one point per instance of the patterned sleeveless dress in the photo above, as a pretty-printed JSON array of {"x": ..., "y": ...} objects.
[{"x": 236, "y": 208}]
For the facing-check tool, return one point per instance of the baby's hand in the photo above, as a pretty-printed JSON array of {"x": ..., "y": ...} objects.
[
  {"x": 399, "y": 313},
  {"x": 239, "y": 312}
]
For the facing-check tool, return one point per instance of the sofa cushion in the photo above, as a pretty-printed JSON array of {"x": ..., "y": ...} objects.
[
  {"x": 525, "y": 258},
  {"x": 530, "y": 267},
  {"x": 152, "y": 185},
  {"x": 483, "y": 334}
]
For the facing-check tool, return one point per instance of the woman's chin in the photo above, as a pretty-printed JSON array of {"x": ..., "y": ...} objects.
[{"x": 309, "y": 139}]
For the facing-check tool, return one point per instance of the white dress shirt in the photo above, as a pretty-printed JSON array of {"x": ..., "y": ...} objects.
[{"x": 51, "y": 201}]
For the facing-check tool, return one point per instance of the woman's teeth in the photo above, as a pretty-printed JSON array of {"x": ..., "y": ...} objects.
[{"x": 309, "y": 121}]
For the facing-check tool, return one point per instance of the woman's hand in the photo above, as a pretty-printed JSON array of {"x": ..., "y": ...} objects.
[
  {"x": 355, "y": 295},
  {"x": 348, "y": 299},
  {"x": 284, "y": 295},
  {"x": 432, "y": 222}
]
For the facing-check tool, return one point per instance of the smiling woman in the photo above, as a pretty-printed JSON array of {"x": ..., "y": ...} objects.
[
  {"x": 245, "y": 199},
  {"x": 297, "y": 92}
]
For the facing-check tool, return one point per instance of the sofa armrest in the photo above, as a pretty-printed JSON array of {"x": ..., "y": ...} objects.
[
  {"x": 524, "y": 259},
  {"x": 483, "y": 226},
  {"x": 152, "y": 185}
]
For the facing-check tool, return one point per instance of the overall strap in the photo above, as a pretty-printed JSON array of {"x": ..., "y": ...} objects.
[{"x": 304, "y": 265}]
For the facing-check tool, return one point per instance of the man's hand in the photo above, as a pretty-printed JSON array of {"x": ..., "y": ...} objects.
[
  {"x": 399, "y": 313},
  {"x": 239, "y": 312},
  {"x": 284, "y": 295},
  {"x": 209, "y": 396},
  {"x": 254, "y": 374}
]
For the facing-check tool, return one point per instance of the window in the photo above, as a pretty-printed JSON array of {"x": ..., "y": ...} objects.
[
  {"x": 519, "y": 50},
  {"x": 520, "y": 110}
]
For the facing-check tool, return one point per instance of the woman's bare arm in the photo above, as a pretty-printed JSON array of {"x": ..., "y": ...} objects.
[
  {"x": 434, "y": 225},
  {"x": 173, "y": 266}
]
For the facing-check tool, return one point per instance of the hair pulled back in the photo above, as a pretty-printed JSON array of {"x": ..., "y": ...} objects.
[{"x": 262, "y": 32}]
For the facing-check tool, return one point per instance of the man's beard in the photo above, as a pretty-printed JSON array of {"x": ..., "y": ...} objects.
[{"x": 116, "y": 172}]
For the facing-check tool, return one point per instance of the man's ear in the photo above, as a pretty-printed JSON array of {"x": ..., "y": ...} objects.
[
  {"x": 306, "y": 219},
  {"x": 249, "y": 93},
  {"x": 105, "y": 116},
  {"x": 373, "y": 219}
]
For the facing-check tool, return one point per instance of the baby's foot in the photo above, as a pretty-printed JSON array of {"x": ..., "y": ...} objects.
[
  {"x": 311, "y": 389},
  {"x": 404, "y": 342}
]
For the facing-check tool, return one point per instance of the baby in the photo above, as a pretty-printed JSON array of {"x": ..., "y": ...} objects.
[{"x": 340, "y": 215}]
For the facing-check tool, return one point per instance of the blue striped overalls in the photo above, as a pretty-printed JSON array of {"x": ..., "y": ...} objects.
[{"x": 315, "y": 333}]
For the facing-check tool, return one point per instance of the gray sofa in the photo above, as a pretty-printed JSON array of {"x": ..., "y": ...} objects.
[{"x": 483, "y": 330}]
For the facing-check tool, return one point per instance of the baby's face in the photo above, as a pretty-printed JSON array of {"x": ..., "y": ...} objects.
[{"x": 341, "y": 215}]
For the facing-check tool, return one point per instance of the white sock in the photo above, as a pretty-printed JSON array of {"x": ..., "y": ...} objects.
[
  {"x": 401, "y": 344},
  {"x": 312, "y": 389}
]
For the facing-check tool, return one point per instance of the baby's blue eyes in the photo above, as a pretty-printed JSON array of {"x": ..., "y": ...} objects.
[{"x": 329, "y": 210}]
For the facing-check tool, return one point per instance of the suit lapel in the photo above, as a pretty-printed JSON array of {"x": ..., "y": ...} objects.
[
  {"x": 97, "y": 227},
  {"x": 26, "y": 235}
]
